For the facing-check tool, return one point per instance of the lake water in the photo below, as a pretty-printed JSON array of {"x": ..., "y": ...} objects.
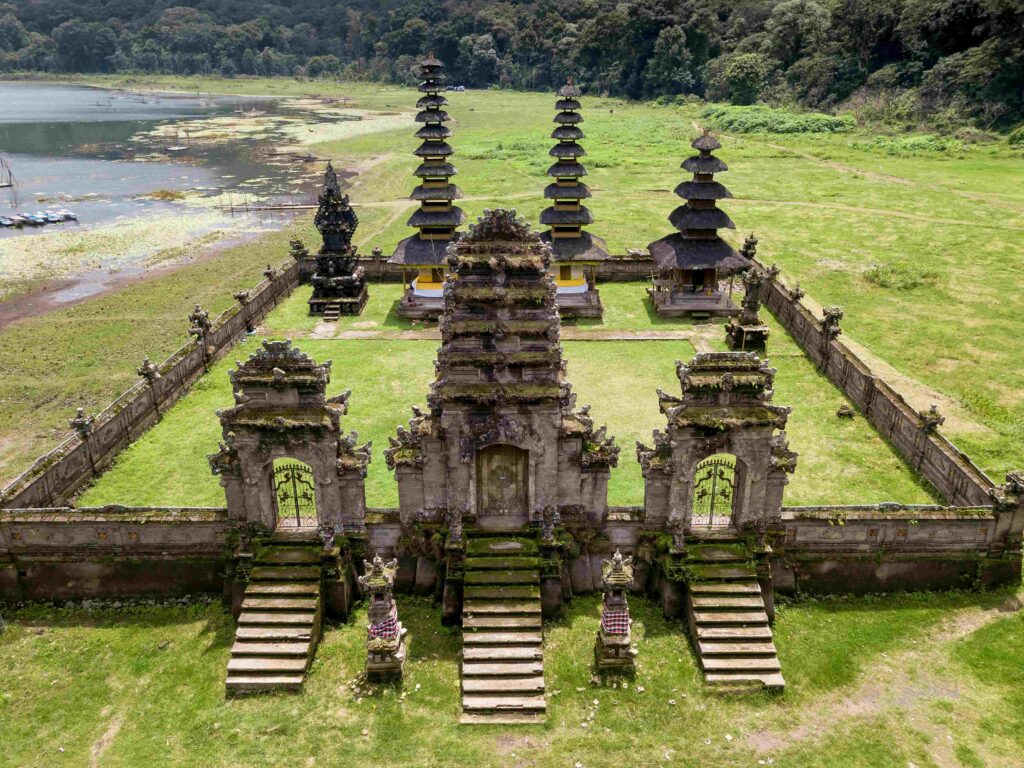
[{"x": 91, "y": 151}]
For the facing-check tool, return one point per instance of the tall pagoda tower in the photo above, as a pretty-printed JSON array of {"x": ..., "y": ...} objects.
[
  {"x": 576, "y": 253},
  {"x": 436, "y": 219},
  {"x": 689, "y": 264}
]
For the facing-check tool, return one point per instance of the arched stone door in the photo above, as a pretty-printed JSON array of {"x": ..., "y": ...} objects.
[{"x": 502, "y": 487}]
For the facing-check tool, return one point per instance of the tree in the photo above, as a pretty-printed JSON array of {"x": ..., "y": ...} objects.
[
  {"x": 745, "y": 76},
  {"x": 668, "y": 70},
  {"x": 795, "y": 28},
  {"x": 83, "y": 46},
  {"x": 13, "y": 35},
  {"x": 321, "y": 66}
]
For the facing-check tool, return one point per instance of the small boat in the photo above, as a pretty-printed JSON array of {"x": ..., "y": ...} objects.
[
  {"x": 50, "y": 218},
  {"x": 19, "y": 221},
  {"x": 65, "y": 214},
  {"x": 32, "y": 220},
  {"x": 176, "y": 148},
  {"x": 7, "y": 221}
]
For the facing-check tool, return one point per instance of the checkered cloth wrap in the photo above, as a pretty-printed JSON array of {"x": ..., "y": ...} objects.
[
  {"x": 387, "y": 629},
  {"x": 615, "y": 622}
]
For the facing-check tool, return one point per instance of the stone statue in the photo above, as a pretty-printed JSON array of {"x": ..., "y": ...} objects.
[
  {"x": 385, "y": 635},
  {"x": 613, "y": 651}
]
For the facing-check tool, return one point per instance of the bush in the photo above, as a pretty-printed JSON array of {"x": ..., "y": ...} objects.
[
  {"x": 1016, "y": 136},
  {"x": 917, "y": 144},
  {"x": 900, "y": 276},
  {"x": 761, "y": 119}
]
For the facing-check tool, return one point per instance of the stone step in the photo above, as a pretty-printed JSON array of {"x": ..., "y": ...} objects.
[
  {"x": 279, "y": 603},
  {"x": 502, "y": 638},
  {"x": 503, "y": 669},
  {"x": 244, "y": 683},
  {"x": 267, "y": 664},
  {"x": 500, "y": 546},
  {"x": 734, "y": 633},
  {"x": 502, "y": 653},
  {"x": 717, "y": 553},
  {"x": 292, "y": 536},
  {"x": 284, "y": 618},
  {"x": 492, "y": 621},
  {"x": 731, "y": 617},
  {"x": 725, "y": 602},
  {"x": 502, "y": 718},
  {"x": 503, "y": 684},
  {"x": 285, "y": 573},
  {"x": 503, "y": 577},
  {"x": 243, "y": 648},
  {"x": 283, "y": 588},
  {"x": 282, "y": 555},
  {"x": 770, "y": 680},
  {"x": 744, "y": 664},
  {"x": 501, "y": 607},
  {"x": 725, "y": 588},
  {"x": 502, "y": 563},
  {"x": 723, "y": 648},
  {"x": 498, "y": 592},
  {"x": 723, "y": 572},
  {"x": 274, "y": 634},
  {"x": 535, "y": 703}
]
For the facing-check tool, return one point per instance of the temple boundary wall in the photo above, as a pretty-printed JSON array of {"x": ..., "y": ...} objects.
[{"x": 55, "y": 477}]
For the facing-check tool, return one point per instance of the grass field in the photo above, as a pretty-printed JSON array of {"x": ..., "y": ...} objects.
[
  {"x": 841, "y": 461},
  {"x": 931, "y": 681},
  {"x": 921, "y": 249}
]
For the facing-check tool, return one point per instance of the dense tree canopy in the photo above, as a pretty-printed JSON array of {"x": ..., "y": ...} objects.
[{"x": 959, "y": 56}]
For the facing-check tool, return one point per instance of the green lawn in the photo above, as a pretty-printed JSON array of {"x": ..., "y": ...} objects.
[
  {"x": 841, "y": 461},
  {"x": 870, "y": 683}
]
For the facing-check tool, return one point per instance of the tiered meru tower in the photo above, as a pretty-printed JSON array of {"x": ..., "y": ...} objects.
[
  {"x": 339, "y": 285},
  {"x": 576, "y": 252},
  {"x": 690, "y": 263},
  {"x": 437, "y": 218}
]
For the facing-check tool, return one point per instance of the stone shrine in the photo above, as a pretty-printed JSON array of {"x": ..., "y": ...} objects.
[
  {"x": 339, "y": 285},
  {"x": 613, "y": 650},
  {"x": 385, "y": 635},
  {"x": 748, "y": 331}
]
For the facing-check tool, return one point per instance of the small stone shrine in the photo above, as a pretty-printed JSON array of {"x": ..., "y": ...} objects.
[
  {"x": 747, "y": 331},
  {"x": 575, "y": 252},
  {"x": 423, "y": 254},
  {"x": 339, "y": 285},
  {"x": 690, "y": 264},
  {"x": 613, "y": 651},
  {"x": 385, "y": 635}
]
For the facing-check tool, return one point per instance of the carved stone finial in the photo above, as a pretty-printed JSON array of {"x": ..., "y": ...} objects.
[
  {"x": 148, "y": 370},
  {"x": 931, "y": 419},
  {"x": 830, "y": 321},
  {"x": 82, "y": 424}
]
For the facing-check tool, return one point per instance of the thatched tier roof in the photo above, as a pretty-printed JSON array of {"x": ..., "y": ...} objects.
[
  {"x": 567, "y": 149},
  {"x": 432, "y": 62},
  {"x": 432, "y": 116},
  {"x": 570, "y": 132},
  {"x": 706, "y": 143},
  {"x": 586, "y": 247},
  {"x": 702, "y": 190},
  {"x": 570, "y": 90},
  {"x": 688, "y": 217},
  {"x": 568, "y": 118},
  {"x": 577, "y": 191},
  {"x": 433, "y": 170},
  {"x": 431, "y": 100},
  {"x": 451, "y": 218},
  {"x": 434, "y": 149},
  {"x": 414, "y": 252},
  {"x": 550, "y": 217},
  {"x": 567, "y": 104},
  {"x": 448, "y": 192},
  {"x": 708, "y": 164},
  {"x": 567, "y": 170},
  {"x": 434, "y": 131},
  {"x": 679, "y": 252},
  {"x": 434, "y": 85}
]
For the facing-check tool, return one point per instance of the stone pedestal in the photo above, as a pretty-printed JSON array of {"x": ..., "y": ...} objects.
[
  {"x": 745, "y": 337},
  {"x": 385, "y": 659},
  {"x": 614, "y": 654}
]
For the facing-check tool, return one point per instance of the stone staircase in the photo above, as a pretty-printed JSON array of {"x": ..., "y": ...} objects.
[
  {"x": 728, "y": 621},
  {"x": 279, "y": 626},
  {"x": 332, "y": 312},
  {"x": 502, "y": 654}
]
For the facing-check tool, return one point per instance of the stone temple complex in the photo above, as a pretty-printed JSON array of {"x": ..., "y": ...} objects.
[{"x": 502, "y": 478}]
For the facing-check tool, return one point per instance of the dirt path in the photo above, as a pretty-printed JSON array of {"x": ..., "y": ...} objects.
[{"x": 909, "y": 681}]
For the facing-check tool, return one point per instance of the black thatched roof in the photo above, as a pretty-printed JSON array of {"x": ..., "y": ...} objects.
[
  {"x": 568, "y": 118},
  {"x": 702, "y": 190},
  {"x": 687, "y": 217},
  {"x": 567, "y": 150},
  {"x": 432, "y": 170},
  {"x": 570, "y": 90},
  {"x": 432, "y": 116},
  {"x": 432, "y": 62},
  {"x": 586, "y": 247},
  {"x": 434, "y": 131},
  {"x": 567, "y": 104},
  {"x": 434, "y": 149},
  {"x": 706, "y": 143},
  {"x": 449, "y": 192},
  {"x": 709, "y": 164},
  {"x": 570, "y": 132},
  {"x": 414, "y": 252},
  {"x": 423, "y": 218},
  {"x": 679, "y": 252},
  {"x": 431, "y": 100},
  {"x": 432, "y": 85},
  {"x": 578, "y": 191},
  {"x": 565, "y": 170},
  {"x": 550, "y": 217}
]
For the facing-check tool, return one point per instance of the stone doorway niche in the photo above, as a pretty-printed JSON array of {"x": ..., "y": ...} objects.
[
  {"x": 502, "y": 487},
  {"x": 716, "y": 489},
  {"x": 295, "y": 494}
]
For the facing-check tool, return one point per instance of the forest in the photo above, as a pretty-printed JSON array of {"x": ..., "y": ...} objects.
[{"x": 935, "y": 61}]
